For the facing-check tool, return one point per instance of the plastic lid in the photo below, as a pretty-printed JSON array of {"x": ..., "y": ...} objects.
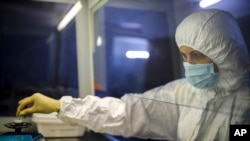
[
  {"x": 46, "y": 118},
  {"x": 40, "y": 115}
]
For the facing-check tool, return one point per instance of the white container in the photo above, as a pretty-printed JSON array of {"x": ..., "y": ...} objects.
[{"x": 50, "y": 126}]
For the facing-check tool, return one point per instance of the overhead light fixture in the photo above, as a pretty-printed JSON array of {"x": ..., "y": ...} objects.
[
  {"x": 131, "y": 25},
  {"x": 133, "y": 54},
  {"x": 69, "y": 16},
  {"x": 207, "y": 3},
  {"x": 99, "y": 41}
]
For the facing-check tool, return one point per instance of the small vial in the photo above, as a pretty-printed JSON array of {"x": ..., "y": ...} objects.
[{"x": 19, "y": 120}]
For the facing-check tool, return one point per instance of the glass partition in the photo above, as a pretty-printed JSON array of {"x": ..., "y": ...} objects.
[
  {"x": 35, "y": 56},
  {"x": 136, "y": 51},
  {"x": 146, "y": 29}
]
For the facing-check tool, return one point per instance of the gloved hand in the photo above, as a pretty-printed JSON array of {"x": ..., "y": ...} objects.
[{"x": 37, "y": 103}]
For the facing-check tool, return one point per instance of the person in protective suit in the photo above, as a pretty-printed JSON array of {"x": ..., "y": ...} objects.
[{"x": 214, "y": 94}]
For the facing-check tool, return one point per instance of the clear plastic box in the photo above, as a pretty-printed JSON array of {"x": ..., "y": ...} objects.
[{"x": 50, "y": 126}]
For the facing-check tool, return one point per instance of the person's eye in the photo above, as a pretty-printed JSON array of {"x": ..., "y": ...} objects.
[
  {"x": 197, "y": 55},
  {"x": 184, "y": 56}
]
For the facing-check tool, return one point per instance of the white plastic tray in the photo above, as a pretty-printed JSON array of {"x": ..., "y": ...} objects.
[{"x": 50, "y": 126}]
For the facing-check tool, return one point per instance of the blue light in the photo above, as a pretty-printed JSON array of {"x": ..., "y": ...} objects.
[{"x": 207, "y": 3}]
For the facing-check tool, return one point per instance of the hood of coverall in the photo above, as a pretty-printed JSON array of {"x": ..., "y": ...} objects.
[{"x": 216, "y": 34}]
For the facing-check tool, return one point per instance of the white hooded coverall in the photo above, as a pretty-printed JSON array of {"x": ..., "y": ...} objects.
[{"x": 177, "y": 110}]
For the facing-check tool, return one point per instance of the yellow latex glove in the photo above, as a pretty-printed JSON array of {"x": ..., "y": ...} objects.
[{"x": 37, "y": 103}]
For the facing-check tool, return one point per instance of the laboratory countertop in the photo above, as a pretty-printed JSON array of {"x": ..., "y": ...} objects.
[{"x": 88, "y": 136}]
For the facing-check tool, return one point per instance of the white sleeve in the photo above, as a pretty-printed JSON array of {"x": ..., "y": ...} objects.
[
  {"x": 131, "y": 116},
  {"x": 98, "y": 114}
]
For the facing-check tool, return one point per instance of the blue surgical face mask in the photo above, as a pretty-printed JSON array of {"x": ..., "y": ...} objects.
[{"x": 201, "y": 75}]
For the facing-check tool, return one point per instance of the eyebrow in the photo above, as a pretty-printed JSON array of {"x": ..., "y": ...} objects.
[
  {"x": 196, "y": 51},
  {"x": 193, "y": 51}
]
